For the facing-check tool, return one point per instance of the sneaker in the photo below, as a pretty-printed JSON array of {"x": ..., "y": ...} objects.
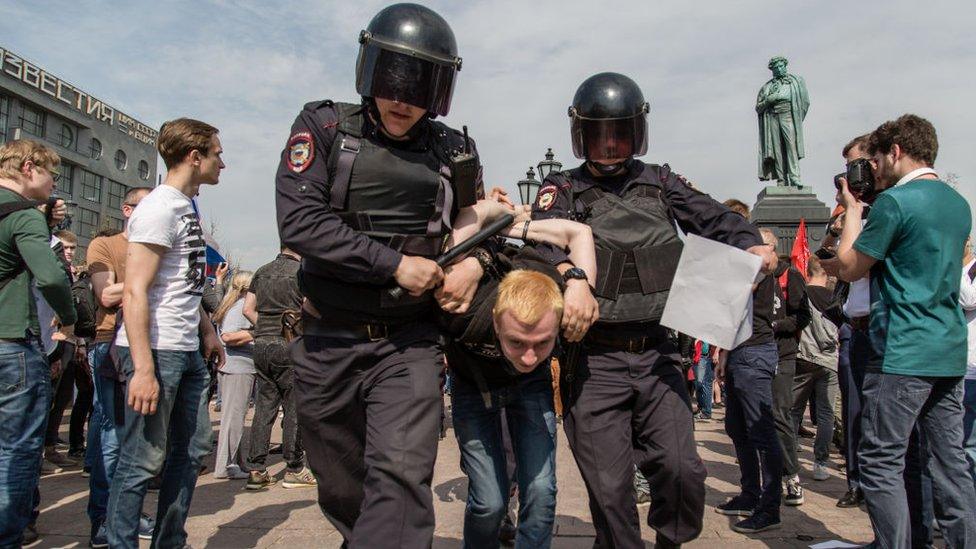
[
  {"x": 702, "y": 416},
  {"x": 155, "y": 483},
  {"x": 48, "y": 468},
  {"x": 794, "y": 492},
  {"x": 30, "y": 536},
  {"x": 507, "y": 531},
  {"x": 760, "y": 521},
  {"x": 739, "y": 506},
  {"x": 78, "y": 454},
  {"x": 803, "y": 432},
  {"x": 259, "y": 480},
  {"x": 147, "y": 525},
  {"x": 643, "y": 498},
  {"x": 99, "y": 537},
  {"x": 852, "y": 498},
  {"x": 301, "y": 479},
  {"x": 57, "y": 458},
  {"x": 820, "y": 471},
  {"x": 85, "y": 472},
  {"x": 233, "y": 473}
]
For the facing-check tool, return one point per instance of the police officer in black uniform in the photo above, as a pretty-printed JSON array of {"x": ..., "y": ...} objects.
[
  {"x": 365, "y": 193},
  {"x": 625, "y": 394}
]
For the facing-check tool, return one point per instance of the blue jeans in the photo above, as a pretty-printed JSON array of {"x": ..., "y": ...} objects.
[
  {"x": 178, "y": 434},
  {"x": 704, "y": 376},
  {"x": 969, "y": 426},
  {"x": 749, "y": 423},
  {"x": 532, "y": 423},
  {"x": 103, "y": 440},
  {"x": 892, "y": 406},
  {"x": 25, "y": 399}
]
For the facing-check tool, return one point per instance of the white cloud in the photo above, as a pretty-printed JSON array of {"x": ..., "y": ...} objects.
[{"x": 249, "y": 66}]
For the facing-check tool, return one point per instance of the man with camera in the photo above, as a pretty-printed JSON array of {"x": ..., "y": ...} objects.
[{"x": 910, "y": 245}]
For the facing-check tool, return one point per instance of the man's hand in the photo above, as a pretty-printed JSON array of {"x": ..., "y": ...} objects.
[
  {"x": 58, "y": 214},
  {"x": 221, "y": 273},
  {"x": 580, "y": 310},
  {"x": 460, "y": 283},
  {"x": 144, "y": 391},
  {"x": 768, "y": 256},
  {"x": 212, "y": 349},
  {"x": 416, "y": 275},
  {"x": 499, "y": 194},
  {"x": 723, "y": 357},
  {"x": 846, "y": 199}
]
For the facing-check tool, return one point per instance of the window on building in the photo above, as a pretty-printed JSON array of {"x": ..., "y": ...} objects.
[
  {"x": 66, "y": 181},
  {"x": 143, "y": 170},
  {"x": 4, "y": 117},
  {"x": 32, "y": 120},
  {"x": 114, "y": 223},
  {"x": 95, "y": 149},
  {"x": 121, "y": 160},
  {"x": 116, "y": 192},
  {"x": 91, "y": 185},
  {"x": 67, "y": 137},
  {"x": 87, "y": 222}
]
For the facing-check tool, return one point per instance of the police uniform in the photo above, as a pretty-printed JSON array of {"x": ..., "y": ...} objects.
[
  {"x": 352, "y": 202},
  {"x": 625, "y": 395}
]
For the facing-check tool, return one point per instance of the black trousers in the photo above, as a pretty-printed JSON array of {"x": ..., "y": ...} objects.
[
  {"x": 786, "y": 428},
  {"x": 275, "y": 381},
  {"x": 73, "y": 376},
  {"x": 632, "y": 408},
  {"x": 369, "y": 416}
]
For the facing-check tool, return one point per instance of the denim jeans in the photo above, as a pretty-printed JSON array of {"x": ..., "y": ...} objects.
[
  {"x": 531, "y": 421},
  {"x": 275, "y": 379},
  {"x": 704, "y": 376},
  {"x": 25, "y": 398},
  {"x": 178, "y": 434},
  {"x": 969, "y": 426},
  {"x": 103, "y": 441},
  {"x": 749, "y": 423},
  {"x": 892, "y": 405}
]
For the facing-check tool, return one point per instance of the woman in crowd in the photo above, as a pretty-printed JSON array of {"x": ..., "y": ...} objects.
[{"x": 236, "y": 377}]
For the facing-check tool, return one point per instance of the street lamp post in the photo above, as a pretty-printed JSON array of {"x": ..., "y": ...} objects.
[
  {"x": 529, "y": 187},
  {"x": 547, "y": 166}
]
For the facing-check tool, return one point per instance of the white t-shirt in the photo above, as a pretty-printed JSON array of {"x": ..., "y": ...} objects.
[
  {"x": 165, "y": 217},
  {"x": 967, "y": 299}
]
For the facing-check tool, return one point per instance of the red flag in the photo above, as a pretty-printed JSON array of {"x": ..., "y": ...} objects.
[{"x": 800, "y": 255}]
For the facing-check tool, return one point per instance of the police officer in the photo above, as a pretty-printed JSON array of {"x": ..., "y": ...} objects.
[
  {"x": 366, "y": 193},
  {"x": 625, "y": 393}
]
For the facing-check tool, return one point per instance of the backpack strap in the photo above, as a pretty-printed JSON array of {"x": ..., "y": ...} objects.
[{"x": 8, "y": 208}]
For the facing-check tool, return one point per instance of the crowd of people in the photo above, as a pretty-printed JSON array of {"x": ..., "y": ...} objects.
[{"x": 347, "y": 334}]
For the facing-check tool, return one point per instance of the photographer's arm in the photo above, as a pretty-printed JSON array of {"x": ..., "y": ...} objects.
[{"x": 852, "y": 264}]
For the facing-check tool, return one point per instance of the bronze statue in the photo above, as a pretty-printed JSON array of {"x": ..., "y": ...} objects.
[{"x": 782, "y": 105}]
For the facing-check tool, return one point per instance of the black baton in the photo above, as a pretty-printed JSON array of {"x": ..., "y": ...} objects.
[{"x": 466, "y": 246}]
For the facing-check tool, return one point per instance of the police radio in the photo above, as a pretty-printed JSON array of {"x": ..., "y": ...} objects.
[{"x": 464, "y": 174}]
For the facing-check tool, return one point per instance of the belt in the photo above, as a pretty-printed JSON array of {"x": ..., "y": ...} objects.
[
  {"x": 860, "y": 322},
  {"x": 637, "y": 344},
  {"x": 314, "y": 325}
]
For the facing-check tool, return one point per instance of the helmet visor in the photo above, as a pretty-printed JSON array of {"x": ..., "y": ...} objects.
[
  {"x": 609, "y": 139},
  {"x": 399, "y": 77}
]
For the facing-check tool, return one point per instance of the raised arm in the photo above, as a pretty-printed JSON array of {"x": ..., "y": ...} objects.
[{"x": 562, "y": 233}]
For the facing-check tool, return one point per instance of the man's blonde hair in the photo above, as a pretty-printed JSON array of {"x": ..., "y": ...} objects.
[
  {"x": 528, "y": 295},
  {"x": 14, "y": 154}
]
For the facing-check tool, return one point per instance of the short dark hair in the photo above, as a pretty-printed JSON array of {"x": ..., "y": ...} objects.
[
  {"x": 859, "y": 142},
  {"x": 177, "y": 138},
  {"x": 738, "y": 207},
  {"x": 133, "y": 191},
  {"x": 914, "y": 134},
  {"x": 813, "y": 266}
]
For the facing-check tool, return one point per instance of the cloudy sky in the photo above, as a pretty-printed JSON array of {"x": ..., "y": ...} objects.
[{"x": 249, "y": 66}]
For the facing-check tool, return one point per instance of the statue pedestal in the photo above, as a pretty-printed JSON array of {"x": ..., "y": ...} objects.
[{"x": 781, "y": 208}]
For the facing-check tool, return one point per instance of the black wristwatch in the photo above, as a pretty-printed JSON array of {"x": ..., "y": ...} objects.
[{"x": 574, "y": 273}]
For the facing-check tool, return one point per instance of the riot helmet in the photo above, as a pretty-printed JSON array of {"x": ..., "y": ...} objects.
[
  {"x": 608, "y": 118},
  {"x": 408, "y": 54}
]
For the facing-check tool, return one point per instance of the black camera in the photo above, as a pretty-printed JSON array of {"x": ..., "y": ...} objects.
[{"x": 860, "y": 179}]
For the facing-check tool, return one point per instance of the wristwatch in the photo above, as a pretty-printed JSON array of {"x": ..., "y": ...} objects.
[{"x": 574, "y": 273}]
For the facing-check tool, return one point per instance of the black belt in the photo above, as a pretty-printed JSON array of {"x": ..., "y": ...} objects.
[
  {"x": 861, "y": 323},
  {"x": 632, "y": 344},
  {"x": 371, "y": 331}
]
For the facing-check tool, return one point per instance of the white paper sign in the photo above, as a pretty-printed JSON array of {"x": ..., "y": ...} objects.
[{"x": 711, "y": 296}]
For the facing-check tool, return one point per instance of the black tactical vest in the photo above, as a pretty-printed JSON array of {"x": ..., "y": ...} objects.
[
  {"x": 401, "y": 198},
  {"x": 637, "y": 244}
]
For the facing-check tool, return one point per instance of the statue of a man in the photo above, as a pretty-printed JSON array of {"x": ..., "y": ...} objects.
[{"x": 782, "y": 105}]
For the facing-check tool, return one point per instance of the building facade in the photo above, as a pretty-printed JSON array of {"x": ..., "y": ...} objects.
[{"x": 104, "y": 151}]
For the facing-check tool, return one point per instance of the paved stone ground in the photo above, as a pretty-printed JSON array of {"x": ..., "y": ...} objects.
[{"x": 224, "y": 515}]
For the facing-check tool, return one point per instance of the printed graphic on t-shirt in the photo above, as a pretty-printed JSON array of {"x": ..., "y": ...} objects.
[{"x": 197, "y": 258}]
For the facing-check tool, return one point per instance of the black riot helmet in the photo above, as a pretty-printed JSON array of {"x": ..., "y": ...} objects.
[
  {"x": 408, "y": 54},
  {"x": 609, "y": 118}
]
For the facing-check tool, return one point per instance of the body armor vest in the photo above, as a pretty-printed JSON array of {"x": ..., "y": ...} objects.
[
  {"x": 637, "y": 245},
  {"x": 401, "y": 198}
]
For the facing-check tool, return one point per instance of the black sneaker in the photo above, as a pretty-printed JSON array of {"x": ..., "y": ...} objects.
[
  {"x": 701, "y": 416},
  {"x": 739, "y": 506},
  {"x": 30, "y": 536},
  {"x": 852, "y": 498},
  {"x": 760, "y": 521},
  {"x": 794, "y": 492}
]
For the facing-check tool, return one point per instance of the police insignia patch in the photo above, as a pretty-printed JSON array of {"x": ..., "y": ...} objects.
[
  {"x": 546, "y": 198},
  {"x": 301, "y": 151}
]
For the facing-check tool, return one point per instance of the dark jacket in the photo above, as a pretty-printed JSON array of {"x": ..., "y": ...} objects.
[{"x": 791, "y": 310}]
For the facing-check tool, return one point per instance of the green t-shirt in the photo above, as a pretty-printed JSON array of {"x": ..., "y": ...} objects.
[{"x": 916, "y": 231}]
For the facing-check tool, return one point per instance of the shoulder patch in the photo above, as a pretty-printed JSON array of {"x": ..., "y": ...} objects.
[
  {"x": 546, "y": 197},
  {"x": 301, "y": 151}
]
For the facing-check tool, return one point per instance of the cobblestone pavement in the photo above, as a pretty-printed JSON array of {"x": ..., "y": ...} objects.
[{"x": 224, "y": 515}]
